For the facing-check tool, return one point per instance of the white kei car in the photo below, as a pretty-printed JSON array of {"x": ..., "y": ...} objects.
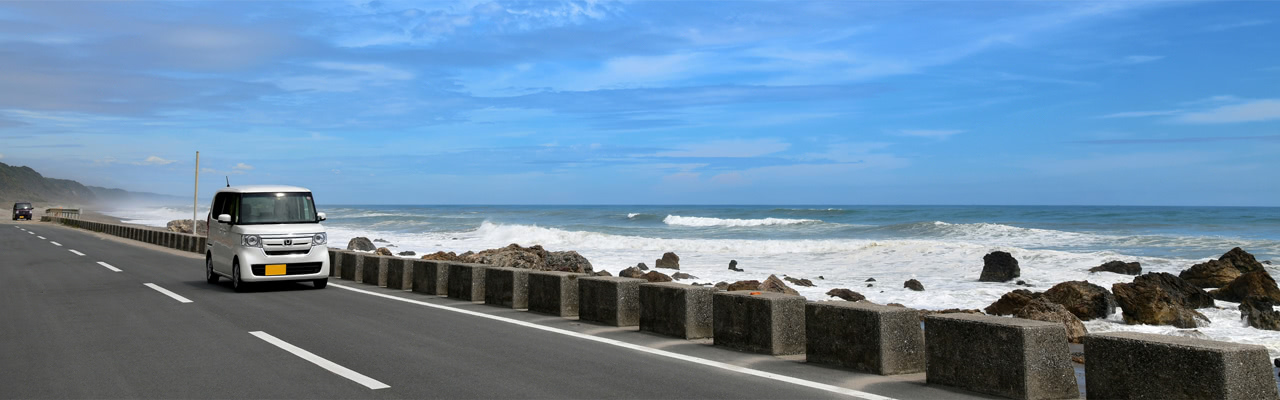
[{"x": 266, "y": 233}]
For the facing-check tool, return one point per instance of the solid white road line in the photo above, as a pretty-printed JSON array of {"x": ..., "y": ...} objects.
[
  {"x": 108, "y": 266},
  {"x": 41, "y": 237},
  {"x": 323, "y": 363},
  {"x": 76, "y": 253},
  {"x": 166, "y": 292},
  {"x": 56, "y": 243},
  {"x": 663, "y": 353}
]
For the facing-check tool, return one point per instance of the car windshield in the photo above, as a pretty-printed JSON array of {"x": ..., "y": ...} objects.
[
  {"x": 277, "y": 208},
  {"x": 23, "y": 206}
]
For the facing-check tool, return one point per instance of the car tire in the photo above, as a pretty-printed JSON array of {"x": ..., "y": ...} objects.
[
  {"x": 320, "y": 283},
  {"x": 236, "y": 283},
  {"x": 209, "y": 275}
]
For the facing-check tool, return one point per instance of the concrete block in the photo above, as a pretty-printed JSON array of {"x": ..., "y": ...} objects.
[
  {"x": 1007, "y": 357},
  {"x": 350, "y": 265},
  {"x": 609, "y": 300},
  {"x": 507, "y": 287},
  {"x": 202, "y": 243},
  {"x": 764, "y": 322},
  {"x": 554, "y": 292},
  {"x": 676, "y": 309},
  {"x": 399, "y": 274},
  {"x": 1131, "y": 365},
  {"x": 374, "y": 269},
  {"x": 864, "y": 336},
  {"x": 335, "y": 259},
  {"x": 466, "y": 281},
  {"x": 430, "y": 277}
]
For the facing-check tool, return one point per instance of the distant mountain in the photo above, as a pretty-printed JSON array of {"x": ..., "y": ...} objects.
[{"x": 25, "y": 184}]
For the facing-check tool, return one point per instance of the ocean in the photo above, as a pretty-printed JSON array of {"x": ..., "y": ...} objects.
[{"x": 843, "y": 246}]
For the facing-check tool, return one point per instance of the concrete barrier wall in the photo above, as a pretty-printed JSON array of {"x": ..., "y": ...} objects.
[
  {"x": 864, "y": 336},
  {"x": 553, "y": 292},
  {"x": 507, "y": 287},
  {"x": 676, "y": 309},
  {"x": 373, "y": 270},
  {"x": 761, "y": 322},
  {"x": 430, "y": 277},
  {"x": 609, "y": 300},
  {"x": 1131, "y": 365},
  {"x": 1006, "y": 357},
  {"x": 399, "y": 274},
  {"x": 172, "y": 240},
  {"x": 350, "y": 266},
  {"x": 335, "y": 262},
  {"x": 466, "y": 281}
]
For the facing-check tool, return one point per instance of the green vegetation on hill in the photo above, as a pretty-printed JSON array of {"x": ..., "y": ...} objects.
[{"x": 25, "y": 184}]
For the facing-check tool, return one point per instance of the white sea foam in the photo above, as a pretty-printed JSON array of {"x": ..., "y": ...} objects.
[
  {"x": 706, "y": 222},
  {"x": 633, "y": 215},
  {"x": 154, "y": 216},
  {"x": 947, "y": 267}
]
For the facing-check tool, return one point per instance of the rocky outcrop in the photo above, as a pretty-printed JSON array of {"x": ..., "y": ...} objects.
[
  {"x": 799, "y": 282},
  {"x": 999, "y": 266},
  {"x": 1259, "y": 313},
  {"x": 1210, "y": 274},
  {"x": 743, "y": 285},
  {"x": 870, "y": 280},
  {"x": 603, "y": 273},
  {"x": 1011, "y": 302},
  {"x": 913, "y": 285},
  {"x": 846, "y": 294},
  {"x": 533, "y": 257},
  {"x": 722, "y": 285},
  {"x": 1119, "y": 267},
  {"x": 441, "y": 256},
  {"x": 733, "y": 266},
  {"x": 383, "y": 251},
  {"x": 655, "y": 276},
  {"x": 1083, "y": 299},
  {"x": 1254, "y": 284},
  {"x": 681, "y": 275},
  {"x": 361, "y": 244},
  {"x": 669, "y": 260},
  {"x": 1242, "y": 260},
  {"x": 380, "y": 240},
  {"x": 632, "y": 272},
  {"x": 1042, "y": 309},
  {"x": 407, "y": 253},
  {"x": 184, "y": 226},
  {"x": 642, "y": 267},
  {"x": 1161, "y": 299},
  {"x": 773, "y": 284}
]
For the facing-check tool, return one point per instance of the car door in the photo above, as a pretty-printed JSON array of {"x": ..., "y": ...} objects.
[{"x": 219, "y": 234}]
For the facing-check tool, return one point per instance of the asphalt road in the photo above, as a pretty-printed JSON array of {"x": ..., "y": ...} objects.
[{"x": 71, "y": 327}]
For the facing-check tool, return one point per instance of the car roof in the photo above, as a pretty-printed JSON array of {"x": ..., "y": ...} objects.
[{"x": 262, "y": 189}]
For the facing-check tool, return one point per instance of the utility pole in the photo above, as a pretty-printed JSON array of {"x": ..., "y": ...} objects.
[{"x": 195, "y": 200}]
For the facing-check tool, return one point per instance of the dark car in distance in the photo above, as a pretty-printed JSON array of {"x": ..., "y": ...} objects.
[{"x": 21, "y": 211}]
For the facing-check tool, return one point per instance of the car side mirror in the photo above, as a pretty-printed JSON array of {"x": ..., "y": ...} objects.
[
  {"x": 321, "y": 217},
  {"x": 224, "y": 218}
]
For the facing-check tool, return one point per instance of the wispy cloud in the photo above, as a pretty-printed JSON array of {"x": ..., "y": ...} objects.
[
  {"x": 1139, "y": 59},
  {"x": 1250, "y": 111},
  {"x": 154, "y": 160},
  {"x": 728, "y": 149},
  {"x": 1265, "y": 138},
  {"x": 242, "y": 167},
  {"x": 1236, "y": 25},
  {"x": 931, "y": 133},
  {"x": 1139, "y": 114}
]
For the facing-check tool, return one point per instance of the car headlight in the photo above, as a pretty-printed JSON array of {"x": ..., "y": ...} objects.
[
  {"x": 319, "y": 239},
  {"x": 252, "y": 241}
]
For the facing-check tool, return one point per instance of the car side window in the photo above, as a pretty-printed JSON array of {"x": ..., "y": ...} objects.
[
  {"x": 233, "y": 207},
  {"x": 216, "y": 209}
]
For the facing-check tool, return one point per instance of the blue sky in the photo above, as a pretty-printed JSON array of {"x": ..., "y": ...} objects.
[{"x": 385, "y": 102}]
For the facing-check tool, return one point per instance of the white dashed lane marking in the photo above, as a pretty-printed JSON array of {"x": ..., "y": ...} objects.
[
  {"x": 166, "y": 292},
  {"x": 108, "y": 266},
  {"x": 76, "y": 253},
  {"x": 323, "y": 363},
  {"x": 56, "y": 243}
]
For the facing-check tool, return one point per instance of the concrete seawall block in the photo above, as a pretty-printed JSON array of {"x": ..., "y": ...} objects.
[
  {"x": 335, "y": 262},
  {"x": 1006, "y": 357},
  {"x": 609, "y": 300},
  {"x": 373, "y": 270},
  {"x": 864, "y": 336},
  {"x": 1131, "y": 365},
  {"x": 350, "y": 265},
  {"x": 399, "y": 274},
  {"x": 507, "y": 287},
  {"x": 763, "y": 322},
  {"x": 201, "y": 244},
  {"x": 676, "y": 309},
  {"x": 554, "y": 292},
  {"x": 466, "y": 281},
  {"x": 430, "y": 277}
]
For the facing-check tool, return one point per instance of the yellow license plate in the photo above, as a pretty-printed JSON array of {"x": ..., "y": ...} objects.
[
  {"x": 275, "y": 269},
  {"x": 22, "y": 217}
]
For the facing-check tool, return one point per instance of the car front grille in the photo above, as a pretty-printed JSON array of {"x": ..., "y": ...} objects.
[
  {"x": 289, "y": 269},
  {"x": 286, "y": 252}
]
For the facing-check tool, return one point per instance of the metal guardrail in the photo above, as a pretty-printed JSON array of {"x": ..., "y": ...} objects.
[{"x": 63, "y": 212}]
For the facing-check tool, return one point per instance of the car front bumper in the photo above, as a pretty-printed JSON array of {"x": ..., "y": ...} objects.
[{"x": 256, "y": 265}]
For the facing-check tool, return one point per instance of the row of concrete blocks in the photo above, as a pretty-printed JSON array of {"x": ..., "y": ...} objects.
[
  {"x": 172, "y": 240},
  {"x": 1007, "y": 357}
]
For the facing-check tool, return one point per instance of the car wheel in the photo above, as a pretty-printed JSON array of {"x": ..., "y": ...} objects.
[
  {"x": 209, "y": 276},
  {"x": 236, "y": 283},
  {"x": 320, "y": 283}
]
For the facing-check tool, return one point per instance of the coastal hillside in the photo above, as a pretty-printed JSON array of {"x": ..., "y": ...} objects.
[{"x": 21, "y": 183}]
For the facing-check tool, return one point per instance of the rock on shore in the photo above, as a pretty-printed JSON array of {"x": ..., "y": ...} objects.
[
  {"x": 1042, "y": 309},
  {"x": 999, "y": 266},
  {"x": 1083, "y": 299},
  {"x": 846, "y": 294},
  {"x": 1160, "y": 298},
  {"x": 361, "y": 244},
  {"x": 1119, "y": 267},
  {"x": 1254, "y": 284},
  {"x": 1259, "y": 313},
  {"x": 913, "y": 285},
  {"x": 1220, "y": 272},
  {"x": 184, "y": 226},
  {"x": 383, "y": 251},
  {"x": 669, "y": 260}
]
